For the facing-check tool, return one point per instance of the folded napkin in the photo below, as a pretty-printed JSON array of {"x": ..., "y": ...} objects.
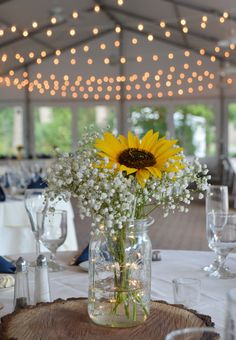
[
  {"x": 2, "y": 195},
  {"x": 6, "y": 266},
  {"x": 38, "y": 184},
  {"x": 81, "y": 257},
  {"x": 84, "y": 256}
]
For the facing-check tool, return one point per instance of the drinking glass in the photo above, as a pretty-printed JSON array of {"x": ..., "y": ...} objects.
[
  {"x": 217, "y": 200},
  {"x": 35, "y": 200},
  {"x": 195, "y": 333},
  {"x": 52, "y": 226},
  {"x": 230, "y": 317},
  {"x": 186, "y": 291},
  {"x": 222, "y": 241}
]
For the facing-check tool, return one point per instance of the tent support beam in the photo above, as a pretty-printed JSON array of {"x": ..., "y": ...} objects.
[
  {"x": 176, "y": 44},
  {"x": 28, "y": 124},
  {"x": 199, "y": 8},
  {"x": 121, "y": 114},
  {"x": 178, "y": 16},
  {"x": 63, "y": 49},
  {"x": 156, "y": 22},
  {"x": 31, "y": 35}
]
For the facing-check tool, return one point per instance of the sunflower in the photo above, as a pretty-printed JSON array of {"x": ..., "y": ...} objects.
[{"x": 149, "y": 157}]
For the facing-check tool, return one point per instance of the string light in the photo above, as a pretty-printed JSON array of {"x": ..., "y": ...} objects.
[
  {"x": 49, "y": 33},
  {"x": 150, "y": 37},
  {"x": 97, "y": 8},
  {"x": 34, "y": 24},
  {"x": 167, "y": 34},
  {"x": 140, "y": 27},
  {"x": 72, "y": 32},
  {"x": 226, "y": 15},
  {"x": 25, "y": 33},
  {"x": 75, "y": 15},
  {"x": 95, "y": 30},
  {"x": 162, "y": 24},
  {"x": 53, "y": 20},
  {"x": 117, "y": 29},
  {"x": 138, "y": 82}
]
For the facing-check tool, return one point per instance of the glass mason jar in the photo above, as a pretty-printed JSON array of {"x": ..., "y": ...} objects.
[{"x": 120, "y": 274}]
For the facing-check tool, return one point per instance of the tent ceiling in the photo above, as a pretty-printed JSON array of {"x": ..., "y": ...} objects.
[{"x": 162, "y": 53}]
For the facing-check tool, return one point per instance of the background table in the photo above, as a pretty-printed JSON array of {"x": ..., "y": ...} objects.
[
  {"x": 73, "y": 282},
  {"x": 15, "y": 230}
]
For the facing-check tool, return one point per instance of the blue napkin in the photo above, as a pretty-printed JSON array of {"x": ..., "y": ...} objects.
[
  {"x": 6, "y": 267},
  {"x": 2, "y": 195},
  {"x": 82, "y": 257},
  {"x": 38, "y": 184}
]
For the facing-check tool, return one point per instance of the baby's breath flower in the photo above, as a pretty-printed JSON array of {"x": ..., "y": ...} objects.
[{"x": 111, "y": 195}]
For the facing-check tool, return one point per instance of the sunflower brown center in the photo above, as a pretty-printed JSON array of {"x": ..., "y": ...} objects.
[{"x": 136, "y": 158}]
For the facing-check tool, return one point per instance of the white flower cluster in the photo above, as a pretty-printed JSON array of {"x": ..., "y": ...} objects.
[{"x": 107, "y": 194}]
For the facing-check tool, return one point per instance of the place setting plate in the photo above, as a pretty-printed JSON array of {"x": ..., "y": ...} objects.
[{"x": 84, "y": 266}]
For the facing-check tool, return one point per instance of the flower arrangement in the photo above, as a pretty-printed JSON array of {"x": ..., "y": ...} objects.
[{"x": 119, "y": 178}]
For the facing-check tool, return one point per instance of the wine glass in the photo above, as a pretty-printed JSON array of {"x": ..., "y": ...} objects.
[
  {"x": 223, "y": 240},
  {"x": 35, "y": 200},
  {"x": 216, "y": 201},
  {"x": 52, "y": 226},
  {"x": 230, "y": 316},
  {"x": 195, "y": 333}
]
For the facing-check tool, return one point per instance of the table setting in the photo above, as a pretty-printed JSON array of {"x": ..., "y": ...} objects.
[{"x": 118, "y": 286}]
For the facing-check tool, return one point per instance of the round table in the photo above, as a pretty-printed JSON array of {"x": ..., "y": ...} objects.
[{"x": 73, "y": 281}]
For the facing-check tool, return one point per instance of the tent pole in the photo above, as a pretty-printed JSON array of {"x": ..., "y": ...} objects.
[
  {"x": 28, "y": 123},
  {"x": 121, "y": 115},
  {"x": 223, "y": 124}
]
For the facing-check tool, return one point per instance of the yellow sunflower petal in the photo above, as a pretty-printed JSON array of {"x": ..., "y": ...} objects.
[
  {"x": 157, "y": 145},
  {"x": 153, "y": 141},
  {"x": 168, "y": 154},
  {"x": 146, "y": 140},
  {"x": 103, "y": 154},
  {"x": 128, "y": 170},
  {"x": 111, "y": 140},
  {"x": 142, "y": 175},
  {"x": 133, "y": 141},
  {"x": 123, "y": 141},
  {"x": 154, "y": 171},
  {"x": 167, "y": 145}
]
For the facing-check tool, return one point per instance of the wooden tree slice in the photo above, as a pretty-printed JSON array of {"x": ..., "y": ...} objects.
[{"x": 68, "y": 320}]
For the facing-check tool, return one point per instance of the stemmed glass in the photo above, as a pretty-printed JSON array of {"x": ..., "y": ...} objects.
[
  {"x": 230, "y": 316},
  {"x": 216, "y": 201},
  {"x": 195, "y": 333},
  {"x": 223, "y": 240},
  {"x": 52, "y": 226},
  {"x": 35, "y": 200}
]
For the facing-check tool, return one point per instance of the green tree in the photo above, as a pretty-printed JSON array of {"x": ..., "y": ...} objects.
[
  {"x": 6, "y": 131},
  {"x": 146, "y": 118},
  {"x": 184, "y": 130},
  {"x": 56, "y": 132}
]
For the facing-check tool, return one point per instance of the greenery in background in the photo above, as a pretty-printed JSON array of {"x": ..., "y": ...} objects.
[
  {"x": 185, "y": 132},
  {"x": 87, "y": 117},
  {"x": 6, "y": 131},
  {"x": 55, "y": 133},
  {"x": 146, "y": 118},
  {"x": 232, "y": 126}
]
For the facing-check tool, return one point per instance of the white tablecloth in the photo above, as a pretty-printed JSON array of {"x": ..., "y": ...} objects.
[
  {"x": 73, "y": 282},
  {"x": 15, "y": 231}
]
